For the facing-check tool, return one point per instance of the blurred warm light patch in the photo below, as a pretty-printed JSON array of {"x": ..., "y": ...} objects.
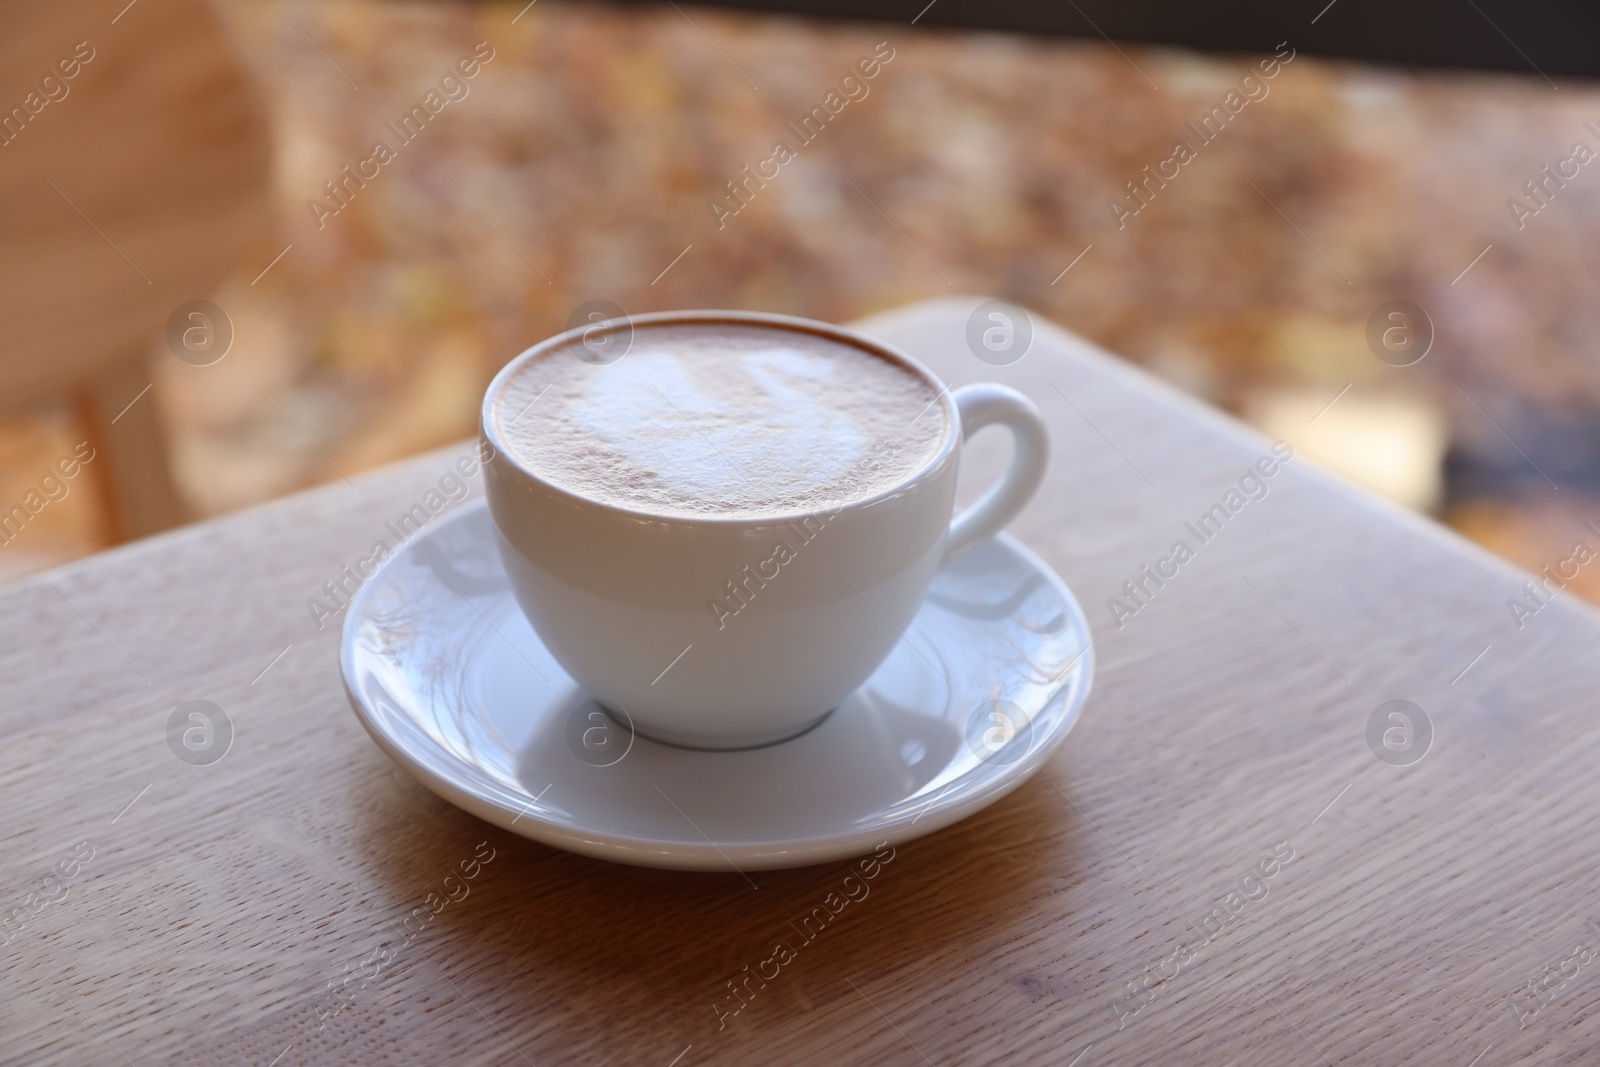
[{"x": 1393, "y": 444}]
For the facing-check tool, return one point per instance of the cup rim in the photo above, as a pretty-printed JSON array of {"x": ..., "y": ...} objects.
[{"x": 947, "y": 446}]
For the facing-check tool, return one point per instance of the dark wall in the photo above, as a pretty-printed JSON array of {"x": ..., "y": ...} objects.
[{"x": 1535, "y": 37}]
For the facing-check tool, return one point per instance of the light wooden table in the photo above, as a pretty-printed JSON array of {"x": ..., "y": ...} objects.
[{"x": 207, "y": 908}]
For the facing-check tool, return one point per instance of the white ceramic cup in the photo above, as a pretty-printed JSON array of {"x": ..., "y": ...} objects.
[{"x": 628, "y": 601}]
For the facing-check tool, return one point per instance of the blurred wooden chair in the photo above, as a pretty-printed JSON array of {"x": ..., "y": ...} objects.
[{"x": 129, "y": 188}]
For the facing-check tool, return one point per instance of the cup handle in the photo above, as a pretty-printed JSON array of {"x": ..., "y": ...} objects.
[{"x": 979, "y": 406}]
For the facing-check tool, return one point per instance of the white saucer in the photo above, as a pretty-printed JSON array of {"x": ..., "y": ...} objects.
[{"x": 448, "y": 677}]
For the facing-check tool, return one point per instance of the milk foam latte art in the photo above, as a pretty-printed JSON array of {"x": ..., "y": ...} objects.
[{"x": 734, "y": 420}]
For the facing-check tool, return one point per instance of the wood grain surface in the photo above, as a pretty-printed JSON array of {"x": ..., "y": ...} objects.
[{"x": 1215, "y": 869}]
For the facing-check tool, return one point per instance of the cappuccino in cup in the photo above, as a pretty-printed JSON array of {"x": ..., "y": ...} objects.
[
  {"x": 722, "y": 533},
  {"x": 737, "y": 420}
]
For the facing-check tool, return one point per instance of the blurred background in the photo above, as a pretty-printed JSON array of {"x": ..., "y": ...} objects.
[{"x": 580, "y": 163}]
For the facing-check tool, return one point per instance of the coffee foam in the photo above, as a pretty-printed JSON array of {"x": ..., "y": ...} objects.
[{"x": 721, "y": 419}]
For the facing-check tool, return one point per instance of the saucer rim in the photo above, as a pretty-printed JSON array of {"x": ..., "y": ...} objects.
[{"x": 709, "y": 855}]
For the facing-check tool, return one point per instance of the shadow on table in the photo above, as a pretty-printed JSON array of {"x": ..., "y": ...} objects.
[{"x": 590, "y": 947}]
